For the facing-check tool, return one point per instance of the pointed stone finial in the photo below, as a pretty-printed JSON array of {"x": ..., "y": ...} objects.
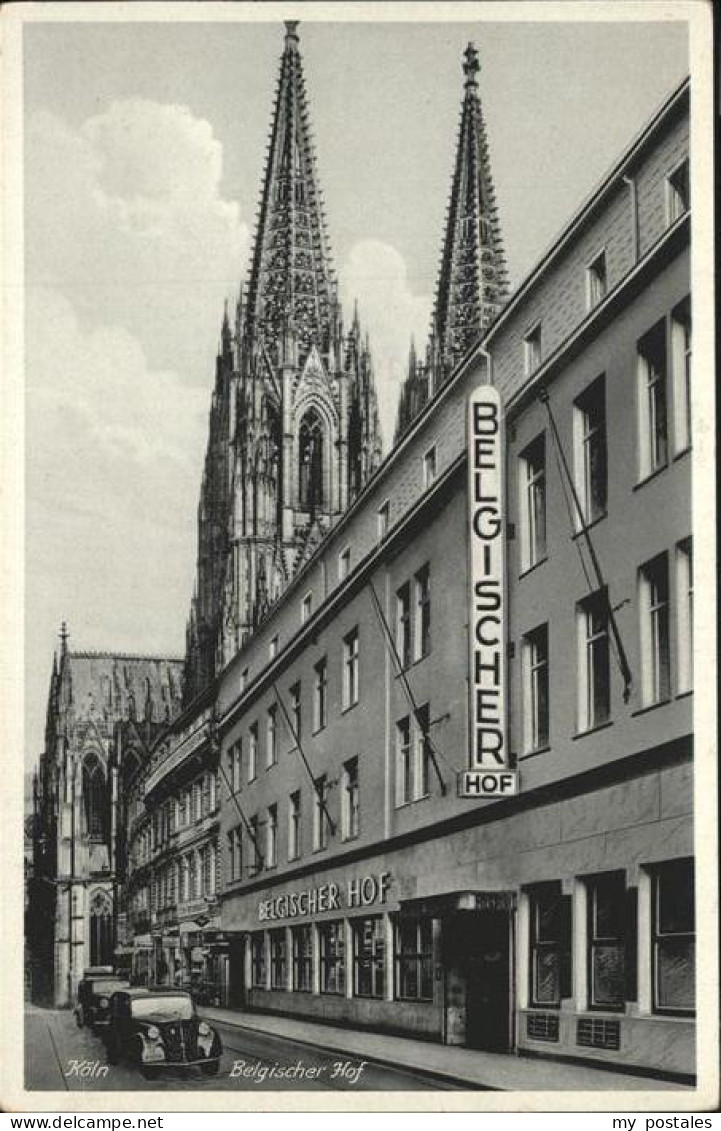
[
  {"x": 471, "y": 64},
  {"x": 291, "y": 35},
  {"x": 63, "y": 639}
]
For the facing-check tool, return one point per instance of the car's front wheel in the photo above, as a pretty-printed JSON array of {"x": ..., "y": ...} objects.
[{"x": 211, "y": 1068}]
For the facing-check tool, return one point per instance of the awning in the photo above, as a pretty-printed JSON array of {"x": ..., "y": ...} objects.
[
  {"x": 142, "y": 942},
  {"x": 452, "y": 902}
]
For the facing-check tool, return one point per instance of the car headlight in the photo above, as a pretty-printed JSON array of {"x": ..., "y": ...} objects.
[
  {"x": 153, "y": 1033},
  {"x": 204, "y": 1029},
  {"x": 104, "y": 1002}
]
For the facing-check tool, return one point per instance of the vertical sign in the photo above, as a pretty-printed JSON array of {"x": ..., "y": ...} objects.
[{"x": 489, "y": 774}]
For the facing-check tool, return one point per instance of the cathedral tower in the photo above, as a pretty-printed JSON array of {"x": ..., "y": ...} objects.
[
  {"x": 472, "y": 281},
  {"x": 294, "y": 430}
]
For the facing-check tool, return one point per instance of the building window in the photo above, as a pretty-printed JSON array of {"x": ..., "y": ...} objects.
[
  {"x": 194, "y": 875},
  {"x": 414, "y": 960},
  {"x": 422, "y": 633},
  {"x": 546, "y": 944},
  {"x": 655, "y": 650},
  {"x": 344, "y": 563},
  {"x": 684, "y": 616},
  {"x": 681, "y": 375},
  {"x": 303, "y": 958},
  {"x": 257, "y": 955},
  {"x": 278, "y": 960},
  {"x": 606, "y": 941},
  {"x": 534, "y": 661},
  {"x": 253, "y": 752},
  {"x": 320, "y": 695},
  {"x": 403, "y": 624},
  {"x": 185, "y": 879},
  {"x": 271, "y": 838},
  {"x": 295, "y": 713},
  {"x": 429, "y": 467},
  {"x": 403, "y": 761},
  {"x": 678, "y": 192},
  {"x": 652, "y": 414},
  {"x": 320, "y": 819},
  {"x": 235, "y": 852},
  {"x": 273, "y": 648},
  {"x": 207, "y": 798},
  {"x": 532, "y": 354},
  {"x": 332, "y": 957},
  {"x": 243, "y": 679},
  {"x": 596, "y": 281},
  {"x": 533, "y": 502},
  {"x": 257, "y": 855},
  {"x": 95, "y": 799},
  {"x": 594, "y": 699},
  {"x": 674, "y": 938},
  {"x": 383, "y": 519},
  {"x": 294, "y": 826},
  {"x": 306, "y": 608},
  {"x": 271, "y": 737},
  {"x": 197, "y": 801},
  {"x": 350, "y": 669},
  {"x": 350, "y": 810},
  {"x": 590, "y": 452},
  {"x": 369, "y": 957},
  {"x": 235, "y": 761}
]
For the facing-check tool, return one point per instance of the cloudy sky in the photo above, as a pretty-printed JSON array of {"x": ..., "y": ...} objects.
[{"x": 143, "y": 155}]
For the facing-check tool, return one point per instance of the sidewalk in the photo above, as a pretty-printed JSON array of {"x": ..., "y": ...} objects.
[{"x": 465, "y": 1067}]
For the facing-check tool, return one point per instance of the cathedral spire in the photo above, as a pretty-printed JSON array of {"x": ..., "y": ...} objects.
[
  {"x": 472, "y": 282},
  {"x": 291, "y": 278}
]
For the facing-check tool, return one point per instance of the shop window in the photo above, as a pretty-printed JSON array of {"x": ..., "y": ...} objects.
[
  {"x": 294, "y": 826},
  {"x": 654, "y": 610},
  {"x": 590, "y": 452},
  {"x": 303, "y": 958},
  {"x": 596, "y": 281},
  {"x": 532, "y": 350},
  {"x": 429, "y": 467},
  {"x": 320, "y": 695},
  {"x": 414, "y": 959},
  {"x": 403, "y": 761},
  {"x": 674, "y": 939},
  {"x": 678, "y": 192},
  {"x": 257, "y": 956},
  {"x": 332, "y": 957},
  {"x": 320, "y": 818},
  {"x": 273, "y": 648},
  {"x": 684, "y": 617},
  {"x": 306, "y": 608},
  {"x": 253, "y": 752},
  {"x": 422, "y": 625},
  {"x": 607, "y": 941},
  {"x": 533, "y": 502},
  {"x": 344, "y": 563},
  {"x": 681, "y": 375},
  {"x": 243, "y": 680},
  {"x": 350, "y": 669},
  {"x": 652, "y": 410},
  {"x": 369, "y": 959},
  {"x": 534, "y": 664},
  {"x": 550, "y": 938},
  {"x": 403, "y": 624},
  {"x": 271, "y": 851},
  {"x": 350, "y": 811},
  {"x": 594, "y": 697},
  {"x": 278, "y": 960},
  {"x": 271, "y": 737},
  {"x": 383, "y": 519}
]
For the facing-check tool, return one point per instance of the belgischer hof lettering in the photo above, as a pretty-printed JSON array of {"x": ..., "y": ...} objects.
[
  {"x": 361, "y": 892},
  {"x": 488, "y": 774}
]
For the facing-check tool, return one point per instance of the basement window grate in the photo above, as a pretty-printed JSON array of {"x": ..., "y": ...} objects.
[
  {"x": 598, "y": 1033},
  {"x": 542, "y": 1026}
]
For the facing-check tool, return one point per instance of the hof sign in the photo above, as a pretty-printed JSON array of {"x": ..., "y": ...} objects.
[{"x": 489, "y": 774}]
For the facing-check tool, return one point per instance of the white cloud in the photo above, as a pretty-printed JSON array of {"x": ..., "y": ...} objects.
[
  {"x": 376, "y": 274},
  {"x": 125, "y": 215}
]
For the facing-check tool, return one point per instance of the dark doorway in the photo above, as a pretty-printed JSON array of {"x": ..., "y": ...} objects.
[
  {"x": 478, "y": 952},
  {"x": 236, "y": 973}
]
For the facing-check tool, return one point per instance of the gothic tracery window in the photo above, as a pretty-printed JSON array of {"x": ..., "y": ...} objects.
[
  {"x": 95, "y": 798},
  {"x": 101, "y": 929},
  {"x": 310, "y": 456}
]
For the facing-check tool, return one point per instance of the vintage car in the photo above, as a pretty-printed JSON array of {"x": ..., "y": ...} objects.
[
  {"x": 93, "y": 1001},
  {"x": 157, "y": 1029}
]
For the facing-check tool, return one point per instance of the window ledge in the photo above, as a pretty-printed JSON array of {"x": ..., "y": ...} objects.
[
  {"x": 318, "y": 730},
  {"x": 592, "y": 730},
  {"x": 684, "y": 694},
  {"x": 581, "y": 530},
  {"x": 345, "y": 710},
  {"x": 649, "y": 476},
  {"x": 651, "y": 707},
  {"x": 685, "y": 451},
  {"x": 530, "y": 568},
  {"x": 538, "y": 750}
]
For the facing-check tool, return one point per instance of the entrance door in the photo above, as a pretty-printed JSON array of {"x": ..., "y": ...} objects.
[
  {"x": 236, "y": 973},
  {"x": 487, "y": 969}
]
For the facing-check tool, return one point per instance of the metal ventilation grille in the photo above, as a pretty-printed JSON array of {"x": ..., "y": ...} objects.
[
  {"x": 598, "y": 1033},
  {"x": 542, "y": 1026}
]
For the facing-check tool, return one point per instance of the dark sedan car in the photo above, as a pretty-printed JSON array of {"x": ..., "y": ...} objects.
[
  {"x": 94, "y": 991},
  {"x": 157, "y": 1029}
]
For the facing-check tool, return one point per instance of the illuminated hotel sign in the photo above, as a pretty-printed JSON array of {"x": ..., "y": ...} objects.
[{"x": 489, "y": 774}]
